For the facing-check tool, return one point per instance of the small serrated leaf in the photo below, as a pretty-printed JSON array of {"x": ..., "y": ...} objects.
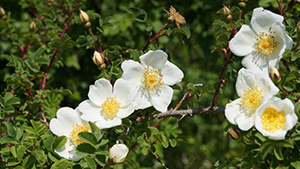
[
  {"x": 91, "y": 163},
  {"x": 59, "y": 142}
]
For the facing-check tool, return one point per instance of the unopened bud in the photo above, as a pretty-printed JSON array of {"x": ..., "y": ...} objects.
[
  {"x": 32, "y": 25},
  {"x": 2, "y": 11},
  {"x": 242, "y": 4},
  {"x": 88, "y": 24},
  {"x": 234, "y": 133},
  {"x": 297, "y": 0},
  {"x": 275, "y": 74},
  {"x": 84, "y": 17},
  {"x": 117, "y": 153},
  {"x": 244, "y": 0},
  {"x": 229, "y": 17},
  {"x": 102, "y": 66},
  {"x": 98, "y": 58},
  {"x": 226, "y": 10}
]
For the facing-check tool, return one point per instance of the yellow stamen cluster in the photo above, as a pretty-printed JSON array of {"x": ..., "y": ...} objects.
[
  {"x": 76, "y": 130},
  {"x": 251, "y": 100},
  {"x": 266, "y": 43},
  {"x": 152, "y": 78},
  {"x": 110, "y": 107},
  {"x": 175, "y": 16},
  {"x": 272, "y": 120}
]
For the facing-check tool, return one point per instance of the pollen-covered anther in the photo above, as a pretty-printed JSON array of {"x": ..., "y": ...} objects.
[
  {"x": 110, "y": 107},
  {"x": 152, "y": 78},
  {"x": 251, "y": 99},
  {"x": 273, "y": 120},
  {"x": 266, "y": 43},
  {"x": 76, "y": 130}
]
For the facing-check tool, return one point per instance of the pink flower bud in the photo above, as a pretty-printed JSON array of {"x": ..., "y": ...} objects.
[
  {"x": 234, "y": 133},
  {"x": 84, "y": 17},
  {"x": 226, "y": 10},
  {"x": 242, "y": 4},
  {"x": 98, "y": 58},
  {"x": 275, "y": 74}
]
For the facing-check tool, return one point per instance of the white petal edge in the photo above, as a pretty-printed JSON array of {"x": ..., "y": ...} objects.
[
  {"x": 156, "y": 59},
  {"x": 232, "y": 109},
  {"x": 263, "y": 19},
  {"x": 90, "y": 111},
  {"x": 127, "y": 111},
  {"x": 100, "y": 91},
  {"x": 161, "y": 100},
  {"x": 103, "y": 124},
  {"x": 171, "y": 74},
  {"x": 243, "y": 42},
  {"x": 66, "y": 118},
  {"x": 124, "y": 92},
  {"x": 132, "y": 72}
]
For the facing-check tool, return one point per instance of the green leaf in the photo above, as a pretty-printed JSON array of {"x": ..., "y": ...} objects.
[
  {"x": 266, "y": 148},
  {"x": 10, "y": 128},
  {"x": 59, "y": 142},
  {"x": 251, "y": 147},
  {"x": 141, "y": 17},
  {"x": 296, "y": 164},
  {"x": 13, "y": 100},
  {"x": 28, "y": 161},
  {"x": 20, "y": 152},
  {"x": 85, "y": 149},
  {"x": 134, "y": 54},
  {"x": 13, "y": 151},
  {"x": 297, "y": 108},
  {"x": 102, "y": 142},
  {"x": 61, "y": 164},
  {"x": 288, "y": 86},
  {"x": 145, "y": 150},
  {"x": 48, "y": 142},
  {"x": 95, "y": 130},
  {"x": 19, "y": 133},
  {"x": 12, "y": 162},
  {"x": 100, "y": 159},
  {"x": 185, "y": 31},
  {"x": 42, "y": 60},
  {"x": 8, "y": 96},
  {"x": 278, "y": 154},
  {"x": 134, "y": 10},
  {"x": 88, "y": 137},
  {"x": 91, "y": 163},
  {"x": 173, "y": 142},
  {"x": 9, "y": 109}
]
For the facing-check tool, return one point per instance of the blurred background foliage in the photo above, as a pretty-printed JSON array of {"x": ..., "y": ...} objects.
[{"x": 203, "y": 141}]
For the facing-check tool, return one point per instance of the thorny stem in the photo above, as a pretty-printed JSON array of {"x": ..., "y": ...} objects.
[
  {"x": 156, "y": 36},
  {"x": 55, "y": 51},
  {"x": 43, "y": 115},
  {"x": 189, "y": 112}
]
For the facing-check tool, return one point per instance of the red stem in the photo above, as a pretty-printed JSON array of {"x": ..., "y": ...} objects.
[
  {"x": 156, "y": 36},
  {"x": 289, "y": 8},
  {"x": 279, "y": 7}
]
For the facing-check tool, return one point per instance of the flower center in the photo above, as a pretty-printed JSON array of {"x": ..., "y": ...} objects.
[
  {"x": 76, "y": 130},
  {"x": 272, "y": 120},
  {"x": 110, "y": 107},
  {"x": 251, "y": 100},
  {"x": 152, "y": 78},
  {"x": 265, "y": 43}
]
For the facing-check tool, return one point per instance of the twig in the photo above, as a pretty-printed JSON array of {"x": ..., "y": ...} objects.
[
  {"x": 289, "y": 8},
  {"x": 226, "y": 63},
  {"x": 279, "y": 7},
  {"x": 190, "y": 112},
  {"x": 156, "y": 36}
]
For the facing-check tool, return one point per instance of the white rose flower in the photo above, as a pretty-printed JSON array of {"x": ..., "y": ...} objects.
[
  {"x": 117, "y": 153},
  {"x": 262, "y": 44},
  {"x": 152, "y": 78},
  {"x": 107, "y": 105},
  {"x": 275, "y": 117},
  {"x": 69, "y": 124},
  {"x": 251, "y": 88}
]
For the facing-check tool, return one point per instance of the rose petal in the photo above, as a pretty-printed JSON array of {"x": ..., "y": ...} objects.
[
  {"x": 156, "y": 59},
  {"x": 161, "y": 100},
  {"x": 243, "y": 42},
  {"x": 171, "y": 74},
  {"x": 100, "y": 91},
  {"x": 132, "y": 72}
]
